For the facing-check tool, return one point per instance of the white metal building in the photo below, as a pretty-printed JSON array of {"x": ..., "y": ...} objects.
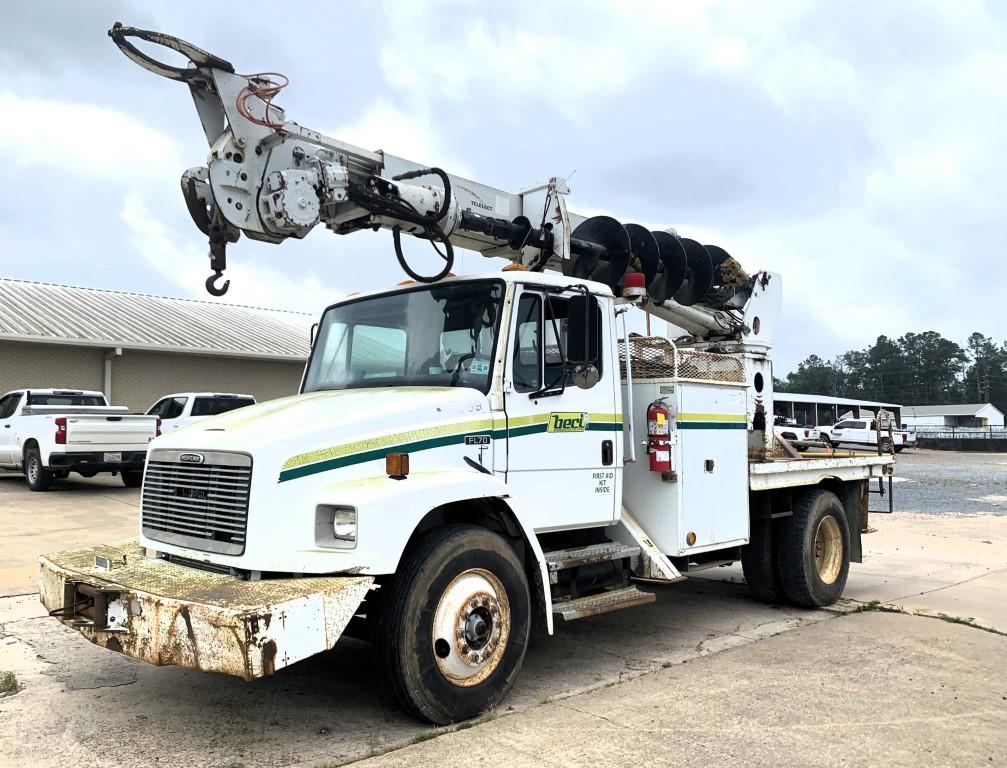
[
  {"x": 967, "y": 415},
  {"x": 136, "y": 347}
]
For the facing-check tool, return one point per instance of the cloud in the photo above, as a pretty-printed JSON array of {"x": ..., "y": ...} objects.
[
  {"x": 84, "y": 141},
  {"x": 185, "y": 267},
  {"x": 410, "y": 135}
]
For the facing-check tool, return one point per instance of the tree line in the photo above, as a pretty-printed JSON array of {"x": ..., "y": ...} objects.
[{"x": 915, "y": 369}]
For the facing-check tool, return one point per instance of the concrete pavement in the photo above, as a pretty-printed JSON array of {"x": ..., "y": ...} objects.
[
  {"x": 867, "y": 689},
  {"x": 76, "y": 512},
  {"x": 704, "y": 674}
]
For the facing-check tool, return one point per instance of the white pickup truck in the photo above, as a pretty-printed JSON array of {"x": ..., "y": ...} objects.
[
  {"x": 49, "y": 433},
  {"x": 184, "y": 408},
  {"x": 864, "y": 431}
]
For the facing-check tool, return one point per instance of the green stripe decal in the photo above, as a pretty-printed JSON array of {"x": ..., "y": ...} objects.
[
  {"x": 291, "y": 472},
  {"x": 712, "y": 425}
]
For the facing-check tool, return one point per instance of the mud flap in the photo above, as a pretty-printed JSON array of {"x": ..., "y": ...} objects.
[{"x": 168, "y": 614}]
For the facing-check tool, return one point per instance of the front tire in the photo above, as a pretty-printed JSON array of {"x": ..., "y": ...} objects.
[
  {"x": 886, "y": 445},
  {"x": 453, "y": 627},
  {"x": 132, "y": 478},
  {"x": 39, "y": 478},
  {"x": 814, "y": 550}
]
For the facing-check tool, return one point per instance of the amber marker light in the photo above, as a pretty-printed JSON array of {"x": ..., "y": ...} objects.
[{"x": 397, "y": 465}]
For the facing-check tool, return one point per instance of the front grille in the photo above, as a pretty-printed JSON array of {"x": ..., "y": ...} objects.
[{"x": 202, "y": 506}]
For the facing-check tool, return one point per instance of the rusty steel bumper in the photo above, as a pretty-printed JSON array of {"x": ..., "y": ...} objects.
[{"x": 164, "y": 613}]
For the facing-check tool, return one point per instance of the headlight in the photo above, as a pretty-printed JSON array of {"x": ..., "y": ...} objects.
[
  {"x": 335, "y": 526},
  {"x": 344, "y": 524}
]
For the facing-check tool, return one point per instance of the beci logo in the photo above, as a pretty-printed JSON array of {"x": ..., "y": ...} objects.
[
  {"x": 567, "y": 422},
  {"x": 191, "y": 458}
]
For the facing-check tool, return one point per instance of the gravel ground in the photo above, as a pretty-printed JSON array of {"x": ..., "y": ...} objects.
[{"x": 950, "y": 483}]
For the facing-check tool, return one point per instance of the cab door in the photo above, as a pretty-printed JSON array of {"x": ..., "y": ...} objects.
[
  {"x": 8, "y": 404},
  {"x": 564, "y": 442}
]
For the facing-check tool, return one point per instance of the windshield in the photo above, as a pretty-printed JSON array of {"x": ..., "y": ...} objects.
[{"x": 438, "y": 336}]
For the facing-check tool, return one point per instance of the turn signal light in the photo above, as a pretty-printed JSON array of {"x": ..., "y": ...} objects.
[
  {"x": 61, "y": 431},
  {"x": 397, "y": 465}
]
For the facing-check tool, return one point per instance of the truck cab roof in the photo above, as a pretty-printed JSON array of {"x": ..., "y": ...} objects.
[{"x": 549, "y": 279}]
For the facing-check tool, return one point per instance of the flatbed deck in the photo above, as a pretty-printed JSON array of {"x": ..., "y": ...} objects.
[{"x": 788, "y": 473}]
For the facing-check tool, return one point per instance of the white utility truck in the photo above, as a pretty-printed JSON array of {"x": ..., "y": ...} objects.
[
  {"x": 183, "y": 408},
  {"x": 468, "y": 454},
  {"x": 49, "y": 433}
]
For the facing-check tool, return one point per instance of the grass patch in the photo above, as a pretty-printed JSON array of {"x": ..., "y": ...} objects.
[
  {"x": 419, "y": 738},
  {"x": 8, "y": 683},
  {"x": 968, "y": 622},
  {"x": 486, "y": 717},
  {"x": 878, "y": 606}
]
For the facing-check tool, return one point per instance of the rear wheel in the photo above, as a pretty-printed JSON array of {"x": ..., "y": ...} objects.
[
  {"x": 39, "y": 478},
  {"x": 453, "y": 627},
  {"x": 814, "y": 550},
  {"x": 758, "y": 563},
  {"x": 132, "y": 478}
]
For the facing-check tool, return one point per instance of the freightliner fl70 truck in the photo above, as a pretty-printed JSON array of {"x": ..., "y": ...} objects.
[{"x": 468, "y": 455}]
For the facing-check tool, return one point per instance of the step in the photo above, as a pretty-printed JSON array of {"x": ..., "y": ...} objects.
[
  {"x": 595, "y": 605},
  {"x": 561, "y": 559}
]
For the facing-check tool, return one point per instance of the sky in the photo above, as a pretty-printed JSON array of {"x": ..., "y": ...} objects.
[{"x": 858, "y": 149}]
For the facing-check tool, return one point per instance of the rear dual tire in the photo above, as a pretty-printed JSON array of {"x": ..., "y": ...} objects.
[
  {"x": 803, "y": 559},
  {"x": 813, "y": 550}
]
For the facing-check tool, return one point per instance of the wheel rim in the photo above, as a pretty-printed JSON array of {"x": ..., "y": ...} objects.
[
  {"x": 33, "y": 470},
  {"x": 828, "y": 550},
  {"x": 471, "y": 627}
]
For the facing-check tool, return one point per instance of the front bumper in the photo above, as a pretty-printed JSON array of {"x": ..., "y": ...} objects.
[
  {"x": 94, "y": 461},
  {"x": 165, "y": 613}
]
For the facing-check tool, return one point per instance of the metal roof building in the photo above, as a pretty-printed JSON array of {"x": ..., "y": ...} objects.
[
  {"x": 137, "y": 347},
  {"x": 825, "y": 410},
  {"x": 955, "y": 415}
]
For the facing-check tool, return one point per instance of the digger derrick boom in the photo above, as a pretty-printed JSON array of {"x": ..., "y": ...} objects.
[{"x": 273, "y": 179}]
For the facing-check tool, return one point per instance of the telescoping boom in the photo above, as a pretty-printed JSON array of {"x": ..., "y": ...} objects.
[{"x": 272, "y": 179}]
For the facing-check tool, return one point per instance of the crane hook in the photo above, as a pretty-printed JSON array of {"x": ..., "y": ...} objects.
[{"x": 214, "y": 290}]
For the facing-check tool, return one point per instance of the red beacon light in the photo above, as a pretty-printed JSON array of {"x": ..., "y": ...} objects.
[{"x": 634, "y": 286}]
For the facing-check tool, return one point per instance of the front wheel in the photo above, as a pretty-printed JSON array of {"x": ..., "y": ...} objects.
[
  {"x": 814, "y": 550},
  {"x": 453, "y": 627},
  {"x": 886, "y": 445},
  {"x": 39, "y": 478}
]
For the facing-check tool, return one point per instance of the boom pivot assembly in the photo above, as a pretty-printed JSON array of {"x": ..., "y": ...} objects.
[{"x": 272, "y": 179}]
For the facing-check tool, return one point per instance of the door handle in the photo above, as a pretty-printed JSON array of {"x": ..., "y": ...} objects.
[{"x": 607, "y": 453}]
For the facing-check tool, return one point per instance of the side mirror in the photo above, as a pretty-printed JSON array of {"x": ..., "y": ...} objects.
[
  {"x": 583, "y": 330},
  {"x": 585, "y": 375},
  {"x": 311, "y": 335}
]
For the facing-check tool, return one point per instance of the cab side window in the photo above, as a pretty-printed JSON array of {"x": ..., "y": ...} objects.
[
  {"x": 174, "y": 407},
  {"x": 527, "y": 362},
  {"x": 8, "y": 405},
  {"x": 540, "y": 347}
]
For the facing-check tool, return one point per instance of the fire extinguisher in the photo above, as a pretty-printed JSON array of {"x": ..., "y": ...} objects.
[{"x": 659, "y": 436}]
